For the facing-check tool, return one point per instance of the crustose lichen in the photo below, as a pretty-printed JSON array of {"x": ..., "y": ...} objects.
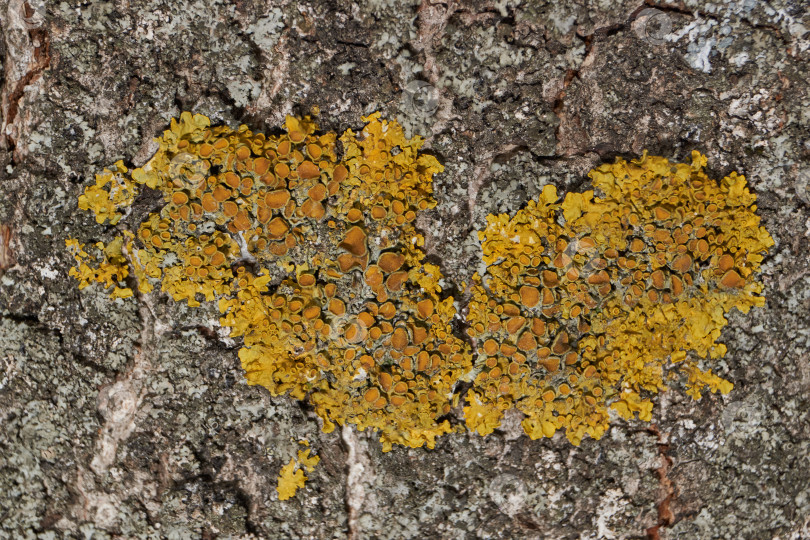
[{"x": 307, "y": 242}]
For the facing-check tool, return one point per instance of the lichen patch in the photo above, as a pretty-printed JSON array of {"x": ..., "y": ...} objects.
[{"x": 315, "y": 262}]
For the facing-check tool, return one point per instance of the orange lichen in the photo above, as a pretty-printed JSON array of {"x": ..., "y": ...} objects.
[
  {"x": 316, "y": 264},
  {"x": 272, "y": 227},
  {"x": 623, "y": 284}
]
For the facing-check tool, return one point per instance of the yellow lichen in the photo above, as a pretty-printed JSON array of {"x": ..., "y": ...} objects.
[
  {"x": 107, "y": 266},
  {"x": 308, "y": 461},
  {"x": 292, "y": 477},
  {"x": 290, "y": 480},
  {"x": 111, "y": 192},
  {"x": 315, "y": 262},
  {"x": 585, "y": 301}
]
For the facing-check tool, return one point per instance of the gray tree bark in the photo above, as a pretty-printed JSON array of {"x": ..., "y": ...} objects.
[{"x": 131, "y": 419}]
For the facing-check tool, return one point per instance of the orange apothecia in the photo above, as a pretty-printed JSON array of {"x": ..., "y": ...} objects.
[{"x": 315, "y": 262}]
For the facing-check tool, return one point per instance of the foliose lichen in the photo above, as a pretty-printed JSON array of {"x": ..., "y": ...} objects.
[
  {"x": 586, "y": 301},
  {"x": 307, "y": 243},
  {"x": 314, "y": 261},
  {"x": 291, "y": 478}
]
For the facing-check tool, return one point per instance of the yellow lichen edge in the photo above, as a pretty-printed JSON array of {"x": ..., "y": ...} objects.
[
  {"x": 316, "y": 264},
  {"x": 290, "y": 480},
  {"x": 111, "y": 192},
  {"x": 587, "y": 300},
  {"x": 108, "y": 266},
  {"x": 292, "y": 477}
]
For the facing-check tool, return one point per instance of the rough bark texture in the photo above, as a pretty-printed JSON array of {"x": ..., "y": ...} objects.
[{"x": 131, "y": 418}]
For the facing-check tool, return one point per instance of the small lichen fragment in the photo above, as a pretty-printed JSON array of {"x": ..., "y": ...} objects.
[
  {"x": 106, "y": 266},
  {"x": 292, "y": 477},
  {"x": 112, "y": 191},
  {"x": 290, "y": 480},
  {"x": 307, "y": 461}
]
